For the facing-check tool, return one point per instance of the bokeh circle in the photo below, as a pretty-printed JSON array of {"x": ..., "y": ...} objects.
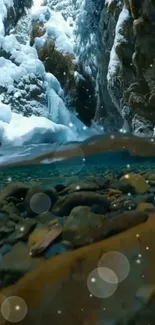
[
  {"x": 117, "y": 262},
  {"x": 102, "y": 287},
  {"x": 14, "y": 309},
  {"x": 40, "y": 203}
]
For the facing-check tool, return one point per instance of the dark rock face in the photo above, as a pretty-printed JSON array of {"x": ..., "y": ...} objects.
[
  {"x": 106, "y": 111},
  {"x": 15, "y": 13},
  {"x": 126, "y": 66}
]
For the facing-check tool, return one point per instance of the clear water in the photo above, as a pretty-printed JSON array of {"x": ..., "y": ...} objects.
[{"x": 70, "y": 293}]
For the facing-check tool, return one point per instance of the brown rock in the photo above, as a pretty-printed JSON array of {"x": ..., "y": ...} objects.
[
  {"x": 38, "y": 30},
  {"x": 66, "y": 274},
  {"x": 144, "y": 206},
  {"x": 17, "y": 190},
  {"x": 123, "y": 221},
  {"x": 137, "y": 182},
  {"x": 45, "y": 217},
  {"x": 64, "y": 205},
  {"x": 83, "y": 227},
  {"x": 21, "y": 231},
  {"x": 41, "y": 238},
  {"x": 32, "y": 193}
]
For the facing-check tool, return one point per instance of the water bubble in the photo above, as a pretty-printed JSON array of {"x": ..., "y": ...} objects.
[
  {"x": 14, "y": 309},
  {"x": 40, "y": 203},
  {"x": 73, "y": 165},
  {"x": 101, "y": 287},
  {"x": 117, "y": 262}
]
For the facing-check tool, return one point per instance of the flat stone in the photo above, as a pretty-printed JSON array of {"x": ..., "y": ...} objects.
[
  {"x": 21, "y": 231},
  {"x": 41, "y": 238},
  {"x": 5, "y": 249},
  {"x": 18, "y": 259}
]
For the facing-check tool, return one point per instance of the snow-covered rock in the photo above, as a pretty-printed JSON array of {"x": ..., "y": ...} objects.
[
  {"x": 27, "y": 130},
  {"x": 5, "y": 113},
  {"x": 55, "y": 28},
  {"x": 22, "y": 78},
  {"x": 53, "y": 35},
  {"x": 10, "y": 12},
  {"x": 34, "y": 97},
  {"x": 114, "y": 67},
  {"x": 21, "y": 130}
]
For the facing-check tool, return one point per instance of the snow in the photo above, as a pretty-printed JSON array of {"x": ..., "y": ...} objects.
[
  {"x": 25, "y": 58},
  {"x": 56, "y": 28},
  {"x": 56, "y": 124},
  {"x": 37, "y": 4},
  {"x": 26, "y": 130},
  {"x": 5, "y": 113},
  {"x": 109, "y": 2},
  {"x": 114, "y": 60},
  {"x": 54, "y": 83},
  {"x": 4, "y": 4},
  {"x": 3, "y": 14}
]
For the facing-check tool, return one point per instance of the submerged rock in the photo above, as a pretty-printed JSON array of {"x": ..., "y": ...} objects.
[
  {"x": 83, "y": 227},
  {"x": 134, "y": 182},
  {"x": 41, "y": 238},
  {"x": 21, "y": 231},
  {"x": 144, "y": 206},
  {"x": 64, "y": 205},
  {"x": 16, "y": 263},
  {"x": 16, "y": 190},
  {"x": 69, "y": 273},
  {"x": 38, "y": 200}
]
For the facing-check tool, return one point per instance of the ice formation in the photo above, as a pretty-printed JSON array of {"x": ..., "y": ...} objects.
[{"x": 19, "y": 66}]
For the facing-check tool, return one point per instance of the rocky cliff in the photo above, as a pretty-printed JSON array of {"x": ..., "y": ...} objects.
[
  {"x": 103, "y": 60},
  {"x": 127, "y": 65}
]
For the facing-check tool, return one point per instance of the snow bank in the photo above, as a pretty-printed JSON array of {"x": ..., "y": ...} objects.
[
  {"x": 5, "y": 113},
  {"x": 25, "y": 58},
  {"x": 57, "y": 29},
  {"x": 23, "y": 130},
  {"x": 36, "y": 130}
]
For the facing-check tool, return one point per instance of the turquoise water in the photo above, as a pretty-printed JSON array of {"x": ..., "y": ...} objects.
[{"x": 53, "y": 171}]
